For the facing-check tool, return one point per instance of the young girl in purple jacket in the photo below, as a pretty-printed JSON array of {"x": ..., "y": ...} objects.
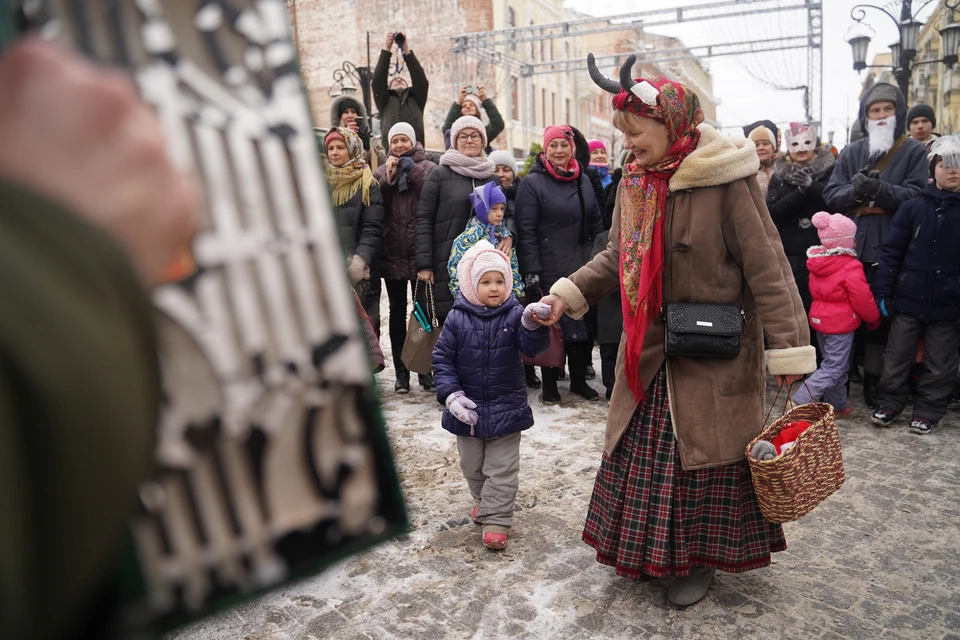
[{"x": 480, "y": 379}]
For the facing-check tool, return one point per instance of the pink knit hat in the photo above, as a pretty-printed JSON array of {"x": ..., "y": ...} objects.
[
  {"x": 835, "y": 230},
  {"x": 479, "y": 259},
  {"x": 596, "y": 144},
  {"x": 555, "y": 131}
]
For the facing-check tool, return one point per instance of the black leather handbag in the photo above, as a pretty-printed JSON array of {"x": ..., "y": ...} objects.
[{"x": 702, "y": 330}]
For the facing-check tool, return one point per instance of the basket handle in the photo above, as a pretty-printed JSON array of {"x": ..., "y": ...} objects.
[{"x": 788, "y": 404}]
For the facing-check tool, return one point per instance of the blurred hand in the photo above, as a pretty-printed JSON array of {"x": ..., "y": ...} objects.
[
  {"x": 392, "y": 163},
  {"x": 389, "y": 44},
  {"x": 426, "y": 275},
  {"x": 81, "y": 136},
  {"x": 506, "y": 245},
  {"x": 462, "y": 96},
  {"x": 481, "y": 93},
  {"x": 557, "y": 308}
]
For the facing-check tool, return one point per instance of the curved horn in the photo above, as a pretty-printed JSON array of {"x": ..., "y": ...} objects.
[
  {"x": 626, "y": 73},
  {"x": 599, "y": 79}
]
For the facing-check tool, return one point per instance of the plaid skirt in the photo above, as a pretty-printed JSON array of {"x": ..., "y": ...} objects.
[{"x": 649, "y": 517}]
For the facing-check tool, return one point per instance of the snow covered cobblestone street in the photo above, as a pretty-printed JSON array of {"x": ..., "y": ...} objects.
[{"x": 879, "y": 559}]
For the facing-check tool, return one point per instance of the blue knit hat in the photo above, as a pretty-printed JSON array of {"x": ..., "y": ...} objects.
[{"x": 483, "y": 199}]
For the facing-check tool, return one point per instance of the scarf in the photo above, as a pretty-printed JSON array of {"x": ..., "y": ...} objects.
[
  {"x": 405, "y": 166},
  {"x": 571, "y": 173},
  {"x": 603, "y": 171},
  {"x": 642, "y": 207},
  {"x": 480, "y": 167},
  {"x": 355, "y": 175}
]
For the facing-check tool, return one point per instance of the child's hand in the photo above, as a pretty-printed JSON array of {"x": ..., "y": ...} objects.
[
  {"x": 539, "y": 309},
  {"x": 462, "y": 408}
]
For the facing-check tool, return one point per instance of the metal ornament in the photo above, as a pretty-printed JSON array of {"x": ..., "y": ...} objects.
[{"x": 271, "y": 453}]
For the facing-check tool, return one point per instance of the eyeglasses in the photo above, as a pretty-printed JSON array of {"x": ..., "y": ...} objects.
[{"x": 469, "y": 137}]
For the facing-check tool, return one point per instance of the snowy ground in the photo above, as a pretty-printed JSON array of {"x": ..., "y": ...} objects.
[{"x": 881, "y": 558}]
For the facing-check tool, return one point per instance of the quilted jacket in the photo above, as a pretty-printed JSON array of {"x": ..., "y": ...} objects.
[
  {"x": 478, "y": 352},
  {"x": 841, "y": 295}
]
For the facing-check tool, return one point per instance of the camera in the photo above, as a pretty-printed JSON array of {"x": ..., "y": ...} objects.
[
  {"x": 470, "y": 89},
  {"x": 399, "y": 39}
]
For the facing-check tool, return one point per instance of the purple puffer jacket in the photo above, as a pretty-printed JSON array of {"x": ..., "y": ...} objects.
[{"x": 478, "y": 352}]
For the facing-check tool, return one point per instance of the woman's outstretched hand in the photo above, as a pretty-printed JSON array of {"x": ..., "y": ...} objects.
[{"x": 557, "y": 308}]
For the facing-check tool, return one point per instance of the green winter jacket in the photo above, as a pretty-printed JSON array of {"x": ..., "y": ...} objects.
[{"x": 79, "y": 391}]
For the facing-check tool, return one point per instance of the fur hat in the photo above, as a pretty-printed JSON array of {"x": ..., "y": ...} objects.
[
  {"x": 835, "y": 230},
  {"x": 921, "y": 111},
  {"x": 596, "y": 144},
  {"x": 763, "y": 134},
  {"x": 555, "y": 131},
  {"x": 505, "y": 158},
  {"x": 947, "y": 149},
  {"x": 402, "y": 128},
  {"x": 882, "y": 92},
  {"x": 479, "y": 259},
  {"x": 467, "y": 122}
]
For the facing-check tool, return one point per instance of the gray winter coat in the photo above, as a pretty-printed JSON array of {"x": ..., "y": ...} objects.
[{"x": 904, "y": 177}]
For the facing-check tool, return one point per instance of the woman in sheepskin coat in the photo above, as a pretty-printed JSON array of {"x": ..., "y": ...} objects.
[{"x": 673, "y": 495}]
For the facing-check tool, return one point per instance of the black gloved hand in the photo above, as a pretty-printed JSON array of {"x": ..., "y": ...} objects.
[
  {"x": 797, "y": 176},
  {"x": 865, "y": 186}
]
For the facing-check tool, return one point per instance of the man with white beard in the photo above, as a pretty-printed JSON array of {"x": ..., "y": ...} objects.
[{"x": 872, "y": 178}]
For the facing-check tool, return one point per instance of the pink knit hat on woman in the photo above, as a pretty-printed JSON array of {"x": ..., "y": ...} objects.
[
  {"x": 555, "y": 131},
  {"x": 479, "y": 259},
  {"x": 835, "y": 230}
]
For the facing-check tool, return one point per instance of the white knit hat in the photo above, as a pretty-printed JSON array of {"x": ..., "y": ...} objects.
[
  {"x": 505, "y": 158},
  {"x": 404, "y": 129},
  {"x": 467, "y": 122},
  {"x": 476, "y": 101}
]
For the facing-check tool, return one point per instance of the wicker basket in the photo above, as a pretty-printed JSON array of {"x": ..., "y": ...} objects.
[{"x": 792, "y": 484}]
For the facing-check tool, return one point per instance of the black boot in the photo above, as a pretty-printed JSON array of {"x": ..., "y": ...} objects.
[
  {"x": 550, "y": 394},
  {"x": 402, "y": 384},
  {"x": 591, "y": 373},
  {"x": 426, "y": 382},
  {"x": 579, "y": 355},
  {"x": 531, "y": 374},
  {"x": 561, "y": 373},
  {"x": 870, "y": 383}
]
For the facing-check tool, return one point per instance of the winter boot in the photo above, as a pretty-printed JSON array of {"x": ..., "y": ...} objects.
[
  {"x": 402, "y": 385},
  {"x": 495, "y": 536},
  {"x": 550, "y": 394},
  {"x": 870, "y": 384},
  {"x": 692, "y": 588},
  {"x": 531, "y": 374},
  {"x": 579, "y": 355},
  {"x": 426, "y": 382}
]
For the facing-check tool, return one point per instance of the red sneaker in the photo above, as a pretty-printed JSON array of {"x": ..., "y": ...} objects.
[
  {"x": 493, "y": 540},
  {"x": 844, "y": 413},
  {"x": 475, "y": 515}
]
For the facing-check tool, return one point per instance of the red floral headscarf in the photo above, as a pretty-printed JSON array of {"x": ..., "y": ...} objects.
[{"x": 643, "y": 203}]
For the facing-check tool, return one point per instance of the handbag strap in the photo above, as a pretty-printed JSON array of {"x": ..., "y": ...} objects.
[{"x": 433, "y": 307}]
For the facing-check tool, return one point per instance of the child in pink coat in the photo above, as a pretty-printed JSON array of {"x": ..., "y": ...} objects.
[{"x": 841, "y": 301}]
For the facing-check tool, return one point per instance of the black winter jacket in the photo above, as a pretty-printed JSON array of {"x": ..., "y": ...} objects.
[
  {"x": 361, "y": 227},
  {"x": 442, "y": 215},
  {"x": 555, "y": 233},
  {"x": 920, "y": 263},
  {"x": 792, "y": 208}
]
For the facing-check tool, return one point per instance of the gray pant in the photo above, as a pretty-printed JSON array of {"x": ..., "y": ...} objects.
[
  {"x": 829, "y": 382},
  {"x": 492, "y": 470},
  {"x": 940, "y": 362}
]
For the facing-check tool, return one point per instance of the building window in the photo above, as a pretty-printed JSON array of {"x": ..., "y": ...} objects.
[
  {"x": 543, "y": 108},
  {"x": 514, "y": 99},
  {"x": 567, "y": 118}
]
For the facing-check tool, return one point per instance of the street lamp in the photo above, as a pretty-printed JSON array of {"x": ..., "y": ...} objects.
[{"x": 904, "y": 52}]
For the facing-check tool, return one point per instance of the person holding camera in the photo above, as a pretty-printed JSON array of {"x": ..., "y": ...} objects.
[
  {"x": 347, "y": 112},
  {"x": 473, "y": 101},
  {"x": 399, "y": 101}
]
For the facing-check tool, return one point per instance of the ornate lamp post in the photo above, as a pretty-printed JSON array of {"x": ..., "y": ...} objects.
[{"x": 903, "y": 52}]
